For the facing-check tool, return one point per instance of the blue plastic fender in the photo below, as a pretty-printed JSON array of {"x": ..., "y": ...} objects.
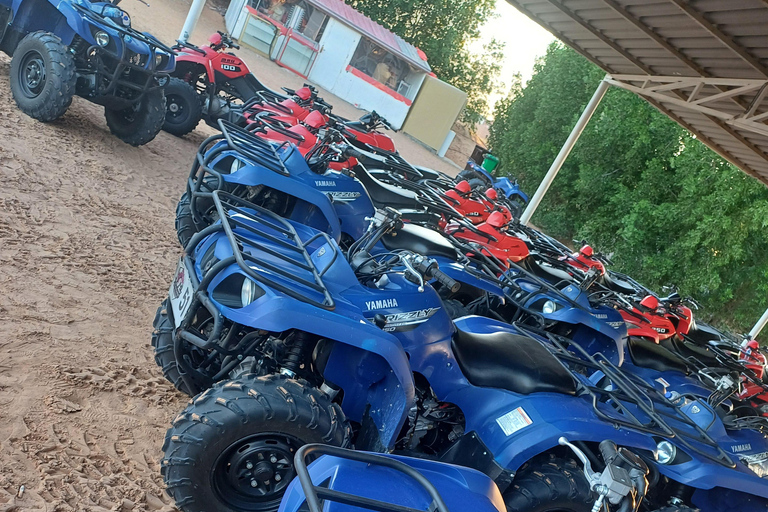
[{"x": 461, "y": 488}]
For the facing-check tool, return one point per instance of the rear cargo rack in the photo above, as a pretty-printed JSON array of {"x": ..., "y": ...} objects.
[
  {"x": 631, "y": 398},
  {"x": 245, "y": 224},
  {"x": 314, "y": 493}
]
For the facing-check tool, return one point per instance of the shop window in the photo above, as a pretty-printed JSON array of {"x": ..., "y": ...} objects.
[
  {"x": 294, "y": 14},
  {"x": 382, "y": 66}
]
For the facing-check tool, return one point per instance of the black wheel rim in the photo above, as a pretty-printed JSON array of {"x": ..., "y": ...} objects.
[
  {"x": 178, "y": 109},
  {"x": 32, "y": 74},
  {"x": 252, "y": 473}
]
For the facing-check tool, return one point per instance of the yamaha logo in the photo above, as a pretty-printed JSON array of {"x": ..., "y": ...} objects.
[
  {"x": 381, "y": 304},
  {"x": 325, "y": 183}
]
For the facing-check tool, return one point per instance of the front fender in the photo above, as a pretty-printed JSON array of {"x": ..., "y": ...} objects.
[
  {"x": 194, "y": 58},
  {"x": 254, "y": 175},
  {"x": 368, "y": 364}
]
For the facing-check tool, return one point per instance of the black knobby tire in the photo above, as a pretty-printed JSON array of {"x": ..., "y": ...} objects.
[
  {"x": 185, "y": 222},
  {"x": 469, "y": 175},
  {"x": 43, "y": 76},
  {"x": 211, "y": 443},
  {"x": 552, "y": 484},
  {"x": 183, "y": 107},
  {"x": 138, "y": 124},
  {"x": 478, "y": 185},
  {"x": 162, "y": 342}
]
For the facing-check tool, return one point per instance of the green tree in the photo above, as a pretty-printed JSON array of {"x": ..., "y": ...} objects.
[
  {"x": 444, "y": 29},
  {"x": 640, "y": 186}
]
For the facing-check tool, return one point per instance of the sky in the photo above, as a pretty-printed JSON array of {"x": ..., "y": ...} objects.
[{"x": 525, "y": 41}]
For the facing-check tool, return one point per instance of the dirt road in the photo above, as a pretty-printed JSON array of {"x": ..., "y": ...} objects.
[{"x": 87, "y": 248}]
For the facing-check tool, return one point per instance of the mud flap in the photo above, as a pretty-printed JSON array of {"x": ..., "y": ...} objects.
[{"x": 471, "y": 452}]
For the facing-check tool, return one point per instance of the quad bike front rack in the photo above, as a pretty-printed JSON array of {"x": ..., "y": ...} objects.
[
  {"x": 204, "y": 177},
  {"x": 314, "y": 494},
  {"x": 246, "y": 224},
  {"x": 632, "y": 402}
]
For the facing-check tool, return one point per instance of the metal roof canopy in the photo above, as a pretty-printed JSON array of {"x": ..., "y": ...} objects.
[{"x": 703, "y": 63}]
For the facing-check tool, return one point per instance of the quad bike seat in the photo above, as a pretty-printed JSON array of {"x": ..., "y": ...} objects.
[
  {"x": 647, "y": 354},
  {"x": 421, "y": 217},
  {"x": 617, "y": 285},
  {"x": 702, "y": 333},
  {"x": 509, "y": 361},
  {"x": 250, "y": 86},
  {"x": 547, "y": 273},
  {"x": 357, "y": 125},
  {"x": 421, "y": 240},
  {"x": 383, "y": 194},
  {"x": 691, "y": 350}
]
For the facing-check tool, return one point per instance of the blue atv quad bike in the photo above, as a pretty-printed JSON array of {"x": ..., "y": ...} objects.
[
  {"x": 322, "y": 348},
  {"x": 480, "y": 178},
  {"x": 357, "y": 481},
  {"x": 63, "y": 48},
  {"x": 279, "y": 178}
]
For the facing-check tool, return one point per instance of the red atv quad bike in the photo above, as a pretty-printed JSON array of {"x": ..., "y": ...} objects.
[
  {"x": 206, "y": 83},
  {"x": 364, "y": 133},
  {"x": 494, "y": 239},
  {"x": 305, "y": 135},
  {"x": 754, "y": 391},
  {"x": 585, "y": 259},
  {"x": 475, "y": 208},
  {"x": 647, "y": 321}
]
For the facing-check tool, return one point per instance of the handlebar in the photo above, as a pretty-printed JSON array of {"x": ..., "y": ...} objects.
[
  {"x": 184, "y": 44},
  {"x": 430, "y": 269}
]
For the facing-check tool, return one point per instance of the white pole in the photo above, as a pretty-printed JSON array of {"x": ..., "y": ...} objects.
[
  {"x": 759, "y": 325},
  {"x": 189, "y": 24},
  {"x": 565, "y": 151}
]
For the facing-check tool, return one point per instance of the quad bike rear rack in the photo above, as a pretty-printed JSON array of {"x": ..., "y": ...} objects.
[
  {"x": 636, "y": 404},
  {"x": 315, "y": 493}
]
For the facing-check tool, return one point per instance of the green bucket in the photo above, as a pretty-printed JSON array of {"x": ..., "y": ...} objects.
[{"x": 490, "y": 163}]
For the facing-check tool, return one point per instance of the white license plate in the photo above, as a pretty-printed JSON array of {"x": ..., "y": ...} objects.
[{"x": 181, "y": 293}]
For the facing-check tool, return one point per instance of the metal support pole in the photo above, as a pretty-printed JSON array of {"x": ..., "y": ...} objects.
[
  {"x": 759, "y": 325},
  {"x": 565, "y": 151},
  {"x": 189, "y": 24}
]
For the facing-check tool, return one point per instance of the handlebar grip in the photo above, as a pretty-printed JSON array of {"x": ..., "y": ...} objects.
[
  {"x": 443, "y": 278},
  {"x": 353, "y": 152}
]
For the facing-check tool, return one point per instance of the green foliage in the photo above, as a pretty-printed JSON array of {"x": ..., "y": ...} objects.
[
  {"x": 444, "y": 29},
  {"x": 639, "y": 186}
]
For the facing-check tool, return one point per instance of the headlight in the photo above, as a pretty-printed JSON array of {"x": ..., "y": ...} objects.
[
  {"x": 102, "y": 38},
  {"x": 249, "y": 292},
  {"x": 549, "y": 307},
  {"x": 665, "y": 452},
  {"x": 160, "y": 60},
  {"x": 237, "y": 164},
  {"x": 757, "y": 463}
]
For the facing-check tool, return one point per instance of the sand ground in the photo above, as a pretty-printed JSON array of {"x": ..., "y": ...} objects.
[{"x": 87, "y": 248}]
